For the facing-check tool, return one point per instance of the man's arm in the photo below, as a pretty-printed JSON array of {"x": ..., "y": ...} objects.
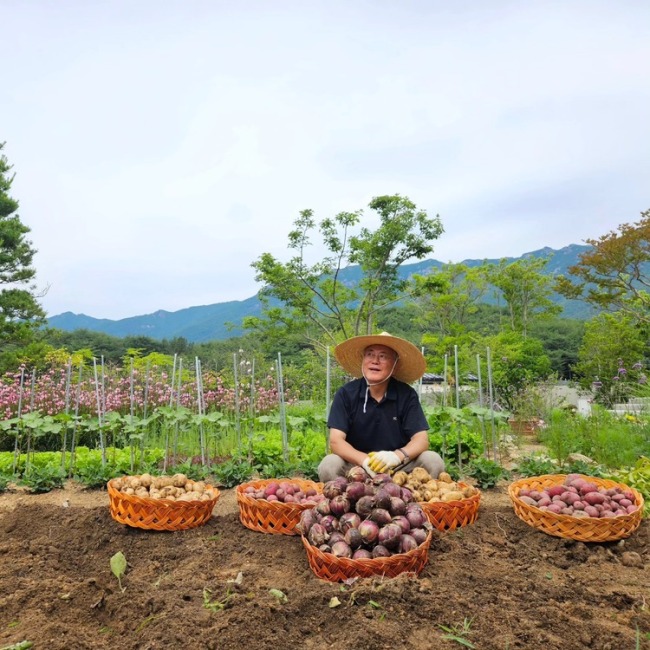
[
  {"x": 341, "y": 447},
  {"x": 416, "y": 445}
]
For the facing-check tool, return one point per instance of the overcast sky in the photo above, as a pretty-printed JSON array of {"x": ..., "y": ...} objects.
[{"x": 161, "y": 147}]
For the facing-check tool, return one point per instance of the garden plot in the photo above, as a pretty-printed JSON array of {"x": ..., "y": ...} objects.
[{"x": 495, "y": 584}]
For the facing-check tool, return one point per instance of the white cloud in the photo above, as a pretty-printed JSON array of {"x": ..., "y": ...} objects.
[{"x": 160, "y": 148}]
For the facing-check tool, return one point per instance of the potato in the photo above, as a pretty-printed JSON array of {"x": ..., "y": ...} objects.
[
  {"x": 179, "y": 480},
  {"x": 421, "y": 474},
  {"x": 468, "y": 491},
  {"x": 445, "y": 478},
  {"x": 453, "y": 495},
  {"x": 145, "y": 480},
  {"x": 400, "y": 478}
]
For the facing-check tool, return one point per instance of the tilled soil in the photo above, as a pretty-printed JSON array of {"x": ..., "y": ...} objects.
[{"x": 497, "y": 584}]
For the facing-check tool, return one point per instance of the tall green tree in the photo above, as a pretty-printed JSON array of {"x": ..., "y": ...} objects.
[
  {"x": 20, "y": 311},
  {"x": 612, "y": 353},
  {"x": 313, "y": 298},
  {"x": 448, "y": 297},
  {"x": 525, "y": 289},
  {"x": 615, "y": 273}
]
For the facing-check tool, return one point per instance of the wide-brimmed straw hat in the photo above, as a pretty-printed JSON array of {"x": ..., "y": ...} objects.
[{"x": 410, "y": 366}]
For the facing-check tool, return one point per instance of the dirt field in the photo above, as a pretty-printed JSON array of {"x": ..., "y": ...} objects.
[{"x": 512, "y": 586}]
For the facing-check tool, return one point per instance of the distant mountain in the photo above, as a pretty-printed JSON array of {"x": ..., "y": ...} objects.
[{"x": 208, "y": 322}]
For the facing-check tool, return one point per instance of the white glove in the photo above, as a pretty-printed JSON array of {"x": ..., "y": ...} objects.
[
  {"x": 383, "y": 461},
  {"x": 366, "y": 466}
]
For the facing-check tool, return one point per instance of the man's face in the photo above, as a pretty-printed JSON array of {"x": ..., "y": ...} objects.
[{"x": 378, "y": 361}]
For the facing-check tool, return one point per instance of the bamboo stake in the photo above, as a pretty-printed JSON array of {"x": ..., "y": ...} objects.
[
  {"x": 178, "y": 404},
  {"x": 445, "y": 385},
  {"x": 283, "y": 413},
  {"x": 199, "y": 399},
  {"x": 237, "y": 414},
  {"x": 32, "y": 387},
  {"x": 251, "y": 411},
  {"x": 68, "y": 376},
  {"x": 494, "y": 435},
  {"x": 460, "y": 460},
  {"x": 20, "y": 417},
  {"x": 171, "y": 392},
  {"x": 99, "y": 413},
  {"x": 328, "y": 397},
  {"x": 132, "y": 405},
  {"x": 480, "y": 403},
  {"x": 73, "y": 445}
]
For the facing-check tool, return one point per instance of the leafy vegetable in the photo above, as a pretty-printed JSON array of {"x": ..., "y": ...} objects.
[{"x": 118, "y": 567}]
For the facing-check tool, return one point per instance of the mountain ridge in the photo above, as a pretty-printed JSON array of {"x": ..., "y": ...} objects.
[{"x": 210, "y": 322}]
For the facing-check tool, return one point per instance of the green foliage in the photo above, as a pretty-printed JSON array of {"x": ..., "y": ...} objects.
[
  {"x": 44, "y": 478},
  {"x": 4, "y": 482},
  {"x": 608, "y": 439},
  {"x": 487, "y": 473},
  {"x": 536, "y": 465},
  {"x": 518, "y": 365},
  {"x": 314, "y": 300},
  {"x": 20, "y": 313},
  {"x": 280, "y": 468},
  {"x": 233, "y": 471},
  {"x": 525, "y": 289},
  {"x": 613, "y": 273},
  {"x": 637, "y": 477},
  {"x": 610, "y": 358},
  {"x": 118, "y": 567},
  {"x": 450, "y": 426}
]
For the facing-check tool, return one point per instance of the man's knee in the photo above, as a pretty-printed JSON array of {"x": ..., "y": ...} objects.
[
  {"x": 330, "y": 467},
  {"x": 432, "y": 462}
]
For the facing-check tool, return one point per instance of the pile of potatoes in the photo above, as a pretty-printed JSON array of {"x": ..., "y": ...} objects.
[
  {"x": 430, "y": 490},
  {"x": 174, "y": 488}
]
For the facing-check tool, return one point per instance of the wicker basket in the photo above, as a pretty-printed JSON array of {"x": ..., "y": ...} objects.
[
  {"x": 272, "y": 517},
  {"x": 159, "y": 514},
  {"x": 338, "y": 569},
  {"x": 447, "y": 516},
  {"x": 584, "y": 529}
]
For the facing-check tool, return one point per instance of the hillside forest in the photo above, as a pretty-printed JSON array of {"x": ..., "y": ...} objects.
[{"x": 455, "y": 312}]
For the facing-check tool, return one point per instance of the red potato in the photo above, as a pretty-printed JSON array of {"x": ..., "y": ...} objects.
[
  {"x": 555, "y": 490},
  {"x": 593, "y": 498}
]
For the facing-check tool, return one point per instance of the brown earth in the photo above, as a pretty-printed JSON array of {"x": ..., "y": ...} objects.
[{"x": 514, "y": 587}]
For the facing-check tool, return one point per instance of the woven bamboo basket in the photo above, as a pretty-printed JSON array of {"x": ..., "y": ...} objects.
[
  {"x": 338, "y": 569},
  {"x": 447, "y": 516},
  {"x": 584, "y": 529},
  {"x": 272, "y": 517},
  {"x": 159, "y": 514}
]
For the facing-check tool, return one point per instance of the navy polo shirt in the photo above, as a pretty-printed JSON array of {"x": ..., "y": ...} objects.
[{"x": 388, "y": 424}]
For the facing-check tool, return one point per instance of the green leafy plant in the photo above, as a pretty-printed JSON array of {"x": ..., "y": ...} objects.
[
  {"x": 216, "y": 605},
  {"x": 280, "y": 595},
  {"x": 4, "y": 482},
  {"x": 458, "y": 633},
  {"x": 536, "y": 465},
  {"x": 486, "y": 472},
  {"x": 637, "y": 477},
  {"x": 234, "y": 471},
  {"x": 118, "y": 567},
  {"x": 43, "y": 479}
]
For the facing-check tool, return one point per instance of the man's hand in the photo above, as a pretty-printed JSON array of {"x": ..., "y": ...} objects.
[
  {"x": 383, "y": 462},
  {"x": 366, "y": 466}
]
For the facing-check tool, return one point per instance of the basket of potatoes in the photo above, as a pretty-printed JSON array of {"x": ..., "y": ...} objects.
[
  {"x": 161, "y": 502},
  {"x": 448, "y": 504}
]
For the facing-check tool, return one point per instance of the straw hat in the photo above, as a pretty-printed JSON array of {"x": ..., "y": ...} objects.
[{"x": 409, "y": 368}]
